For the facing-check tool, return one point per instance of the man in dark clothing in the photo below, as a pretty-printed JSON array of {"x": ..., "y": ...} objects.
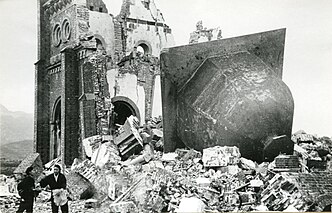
[
  {"x": 55, "y": 181},
  {"x": 26, "y": 191}
]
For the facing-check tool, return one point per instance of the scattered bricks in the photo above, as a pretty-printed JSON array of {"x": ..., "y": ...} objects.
[
  {"x": 33, "y": 160},
  {"x": 287, "y": 163},
  {"x": 79, "y": 187},
  {"x": 300, "y": 190},
  {"x": 220, "y": 156}
]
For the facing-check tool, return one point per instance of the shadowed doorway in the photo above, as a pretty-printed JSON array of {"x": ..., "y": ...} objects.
[{"x": 123, "y": 108}]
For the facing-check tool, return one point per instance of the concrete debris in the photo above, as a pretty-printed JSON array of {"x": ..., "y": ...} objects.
[
  {"x": 220, "y": 156},
  {"x": 186, "y": 180}
]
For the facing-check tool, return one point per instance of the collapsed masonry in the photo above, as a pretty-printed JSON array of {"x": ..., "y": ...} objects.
[
  {"x": 217, "y": 179},
  {"x": 94, "y": 70},
  {"x": 203, "y": 34}
]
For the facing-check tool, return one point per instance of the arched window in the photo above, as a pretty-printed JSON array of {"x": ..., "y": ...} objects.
[
  {"x": 66, "y": 30},
  {"x": 56, "y": 35},
  {"x": 99, "y": 44}
]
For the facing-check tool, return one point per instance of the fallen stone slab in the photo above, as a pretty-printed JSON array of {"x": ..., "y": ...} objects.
[
  {"x": 79, "y": 187},
  {"x": 32, "y": 160}
]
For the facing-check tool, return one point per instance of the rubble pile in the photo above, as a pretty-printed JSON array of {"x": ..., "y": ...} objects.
[
  {"x": 215, "y": 180},
  {"x": 314, "y": 152}
]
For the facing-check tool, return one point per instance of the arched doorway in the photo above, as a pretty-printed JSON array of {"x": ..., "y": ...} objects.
[
  {"x": 55, "y": 139},
  {"x": 123, "y": 108},
  {"x": 143, "y": 48}
]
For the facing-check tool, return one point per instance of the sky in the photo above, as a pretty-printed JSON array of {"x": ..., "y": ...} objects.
[{"x": 307, "y": 58}]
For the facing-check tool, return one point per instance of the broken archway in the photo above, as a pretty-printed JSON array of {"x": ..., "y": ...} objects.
[{"x": 123, "y": 108}]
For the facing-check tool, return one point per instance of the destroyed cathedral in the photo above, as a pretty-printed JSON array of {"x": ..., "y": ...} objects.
[{"x": 93, "y": 66}]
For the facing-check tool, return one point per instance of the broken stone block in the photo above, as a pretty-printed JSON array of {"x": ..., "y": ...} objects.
[
  {"x": 171, "y": 156},
  {"x": 32, "y": 160},
  {"x": 192, "y": 204},
  {"x": 286, "y": 163},
  {"x": 128, "y": 206},
  {"x": 78, "y": 186},
  {"x": 90, "y": 143},
  {"x": 247, "y": 164},
  {"x": 229, "y": 170},
  {"x": 220, "y": 156},
  {"x": 105, "y": 154},
  {"x": 256, "y": 183},
  {"x": 93, "y": 174}
]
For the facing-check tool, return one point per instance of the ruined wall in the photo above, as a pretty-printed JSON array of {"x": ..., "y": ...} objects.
[
  {"x": 104, "y": 31},
  {"x": 145, "y": 24},
  {"x": 142, "y": 26},
  {"x": 126, "y": 85},
  {"x": 86, "y": 58}
]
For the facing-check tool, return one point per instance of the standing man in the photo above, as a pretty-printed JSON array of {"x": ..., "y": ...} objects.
[
  {"x": 55, "y": 182},
  {"x": 26, "y": 191}
]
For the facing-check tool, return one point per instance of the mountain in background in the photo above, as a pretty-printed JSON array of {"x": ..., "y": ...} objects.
[
  {"x": 15, "y": 126},
  {"x": 16, "y": 150}
]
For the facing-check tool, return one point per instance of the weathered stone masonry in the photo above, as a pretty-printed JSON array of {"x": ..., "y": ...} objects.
[{"x": 89, "y": 62}]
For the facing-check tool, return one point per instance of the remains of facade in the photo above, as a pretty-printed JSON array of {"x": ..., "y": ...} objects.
[{"x": 94, "y": 70}]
